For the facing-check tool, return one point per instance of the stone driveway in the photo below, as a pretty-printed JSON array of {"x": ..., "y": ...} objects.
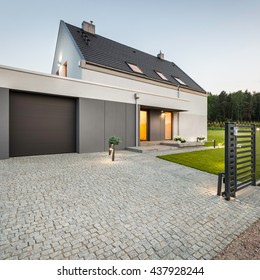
[{"x": 84, "y": 206}]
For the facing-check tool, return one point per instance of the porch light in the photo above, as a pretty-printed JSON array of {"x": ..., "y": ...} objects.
[
  {"x": 162, "y": 113},
  {"x": 258, "y": 129}
]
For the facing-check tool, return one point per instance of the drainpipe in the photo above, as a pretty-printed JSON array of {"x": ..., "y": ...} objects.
[
  {"x": 178, "y": 91},
  {"x": 136, "y": 120}
]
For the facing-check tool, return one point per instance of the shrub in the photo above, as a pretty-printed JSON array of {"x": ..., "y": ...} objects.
[
  {"x": 200, "y": 138},
  {"x": 114, "y": 140},
  {"x": 179, "y": 138}
]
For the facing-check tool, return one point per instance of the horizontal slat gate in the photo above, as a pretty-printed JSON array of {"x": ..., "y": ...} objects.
[{"x": 240, "y": 158}]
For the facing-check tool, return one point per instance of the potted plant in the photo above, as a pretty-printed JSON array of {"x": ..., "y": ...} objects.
[
  {"x": 200, "y": 138},
  {"x": 179, "y": 139},
  {"x": 113, "y": 141}
]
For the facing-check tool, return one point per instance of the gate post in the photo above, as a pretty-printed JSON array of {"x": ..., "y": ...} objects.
[
  {"x": 230, "y": 160},
  {"x": 254, "y": 154}
]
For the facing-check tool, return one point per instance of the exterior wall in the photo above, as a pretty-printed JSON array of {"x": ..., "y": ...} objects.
[
  {"x": 91, "y": 125},
  {"x": 99, "y": 120},
  {"x": 150, "y": 94},
  {"x": 38, "y": 82},
  {"x": 189, "y": 122},
  {"x": 193, "y": 123},
  {"x": 175, "y": 124},
  {"x": 115, "y": 122},
  {"x": 66, "y": 51},
  {"x": 192, "y": 126},
  {"x": 130, "y": 125},
  {"x": 102, "y": 111},
  {"x": 4, "y": 123}
]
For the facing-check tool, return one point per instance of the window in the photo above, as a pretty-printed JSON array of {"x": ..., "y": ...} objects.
[
  {"x": 135, "y": 68},
  {"x": 161, "y": 75},
  {"x": 63, "y": 70},
  {"x": 168, "y": 125},
  {"x": 143, "y": 125},
  {"x": 179, "y": 81}
]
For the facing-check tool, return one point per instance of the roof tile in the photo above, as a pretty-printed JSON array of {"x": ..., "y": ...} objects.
[{"x": 103, "y": 51}]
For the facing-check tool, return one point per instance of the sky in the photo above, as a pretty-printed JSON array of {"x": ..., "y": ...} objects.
[{"x": 216, "y": 42}]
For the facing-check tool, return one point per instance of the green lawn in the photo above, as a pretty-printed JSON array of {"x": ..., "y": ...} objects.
[
  {"x": 211, "y": 161},
  {"x": 217, "y": 135}
]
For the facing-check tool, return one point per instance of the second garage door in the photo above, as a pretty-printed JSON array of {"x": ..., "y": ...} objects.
[{"x": 41, "y": 124}]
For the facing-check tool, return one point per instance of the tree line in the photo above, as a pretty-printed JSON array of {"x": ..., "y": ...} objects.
[{"x": 240, "y": 106}]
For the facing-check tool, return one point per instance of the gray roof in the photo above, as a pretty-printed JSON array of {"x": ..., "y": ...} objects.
[{"x": 103, "y": 51}]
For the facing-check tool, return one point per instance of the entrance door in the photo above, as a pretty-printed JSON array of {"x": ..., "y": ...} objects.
[
  {"x": 143, "y": 125},
  {"x": 168, "y": 125}
]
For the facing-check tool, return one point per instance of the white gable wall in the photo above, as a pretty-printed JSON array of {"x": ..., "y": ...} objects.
[{"x": 66, "y": 51}]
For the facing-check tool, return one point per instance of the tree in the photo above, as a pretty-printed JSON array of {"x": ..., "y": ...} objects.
[
  {"x": 212, "y": 107},
  {"x": 237, "y": 101},
  {"x": 223, "y": 106},
  {"x": 236, "y": 106},
  {"x": 247, "y": 107},
  {"x": 256, "y": 107}
]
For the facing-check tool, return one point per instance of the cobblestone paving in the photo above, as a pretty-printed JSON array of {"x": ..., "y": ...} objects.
[{"x": 139, "y": 207}]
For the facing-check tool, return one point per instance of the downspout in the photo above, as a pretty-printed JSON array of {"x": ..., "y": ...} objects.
[
  {"x": 178, "y": 91},
  {"x": 136, "y": 120}
]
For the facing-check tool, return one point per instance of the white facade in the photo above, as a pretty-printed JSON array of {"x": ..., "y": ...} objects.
[{"x": 189, "y": 107}]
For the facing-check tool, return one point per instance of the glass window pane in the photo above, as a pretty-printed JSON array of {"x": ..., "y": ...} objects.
[
  {"x": 135, "y": 68},
  {"x": 143, "y": 125},
  {"x": 161, "y": 76},
  {"x": 179, "y": 81},
  {"x": 168, "y": 125}
]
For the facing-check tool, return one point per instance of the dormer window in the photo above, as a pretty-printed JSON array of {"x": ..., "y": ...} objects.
[
  {"x": 179, "y": 81},
  {"x": 134, "y": 68},
  {"x": 161, "y": 75}
]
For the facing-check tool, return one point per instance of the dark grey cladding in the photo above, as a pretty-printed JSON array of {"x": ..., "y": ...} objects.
[{"x": 4, "y": 123}]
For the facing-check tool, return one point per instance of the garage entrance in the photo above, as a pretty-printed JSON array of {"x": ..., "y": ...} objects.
[{"x": 41, "y": 124}]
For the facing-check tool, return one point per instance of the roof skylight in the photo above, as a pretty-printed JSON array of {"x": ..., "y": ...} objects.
[
  {"x": 179, "y": 81},
  {"x": 161, "y": 75},
  {"x": 135, "y": 68}
]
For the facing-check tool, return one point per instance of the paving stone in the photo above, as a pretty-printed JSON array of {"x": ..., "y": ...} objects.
[
  {"x": 133, "y": 255},
  {"x": 83, "y": 206}
]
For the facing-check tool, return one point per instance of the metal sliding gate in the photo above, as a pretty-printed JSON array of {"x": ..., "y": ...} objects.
[{"x": 240, "y": 159}]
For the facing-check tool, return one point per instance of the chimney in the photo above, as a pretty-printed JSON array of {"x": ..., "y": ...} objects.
[
  {"x": 89, "y": 27},
  {"x": 160, "y": 55}
]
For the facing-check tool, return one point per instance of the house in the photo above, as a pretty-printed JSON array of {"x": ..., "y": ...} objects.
[{"x": 98, "y": 88}]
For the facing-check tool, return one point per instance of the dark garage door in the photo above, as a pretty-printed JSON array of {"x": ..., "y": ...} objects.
[{"x": 41, "y": 124}]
